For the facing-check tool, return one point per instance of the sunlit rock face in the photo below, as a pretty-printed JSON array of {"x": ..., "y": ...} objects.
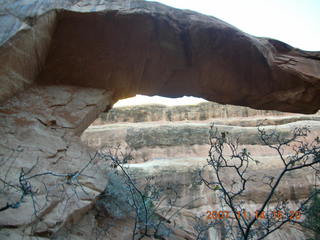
[
  {"x": 159, "y": 131},
  {"x": 226, "y": 114},
  {"x": 174, "y": 151},
  {"x": 131, "y": 47}
]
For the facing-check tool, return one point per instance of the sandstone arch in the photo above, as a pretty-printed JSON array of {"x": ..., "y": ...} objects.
[
  {"x": 131, "y": 47},
  {"x": 114, "y": 49}
]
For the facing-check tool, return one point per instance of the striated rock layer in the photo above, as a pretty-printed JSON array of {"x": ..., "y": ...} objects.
[
  {"x": 226, "y": 114},
  {"x": 131, "y": 47},
  {"x": 173, "y": 152}
]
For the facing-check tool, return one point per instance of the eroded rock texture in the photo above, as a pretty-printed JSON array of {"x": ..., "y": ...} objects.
[
  {"x": 131, "y": 47},
  {"x": 39, "y": 152}
]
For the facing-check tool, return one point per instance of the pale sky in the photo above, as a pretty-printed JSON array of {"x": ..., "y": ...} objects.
[{"x": 296, "y": 22}]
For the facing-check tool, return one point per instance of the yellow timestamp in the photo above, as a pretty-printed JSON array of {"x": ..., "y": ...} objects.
[{"x": 277, "y": 214}]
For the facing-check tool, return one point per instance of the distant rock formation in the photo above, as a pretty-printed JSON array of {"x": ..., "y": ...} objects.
[
  {"x": 158, "y": 131},
  {"x": 173, "y": 150},
  {"x": 198, "y": 112}
]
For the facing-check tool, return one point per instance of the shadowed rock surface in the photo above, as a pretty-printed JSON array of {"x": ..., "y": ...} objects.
[{"x": 131, "y": 47}]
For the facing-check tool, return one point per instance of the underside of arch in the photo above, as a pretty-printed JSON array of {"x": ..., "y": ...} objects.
[{"x": 130, "y": 47}]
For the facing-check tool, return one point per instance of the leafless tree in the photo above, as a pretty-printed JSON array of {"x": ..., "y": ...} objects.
[
  {"x": 38, "y": 187},
  {"x": 149, "y": 204},
  {"x": 231, "y": 164}
]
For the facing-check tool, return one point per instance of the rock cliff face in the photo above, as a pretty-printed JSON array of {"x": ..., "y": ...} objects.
[
  {"x": 131, "y": 47},
  {"x": 199, "y": 112},
  {"x": 174, "y": 151}
]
